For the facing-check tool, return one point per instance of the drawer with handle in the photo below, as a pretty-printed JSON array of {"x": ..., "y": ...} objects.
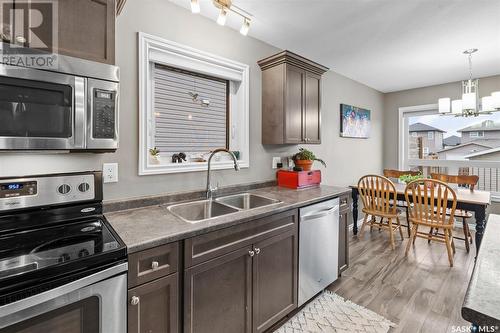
[
  {"x": 344, "y": 202},
  {"x": 153, "y": 263}
]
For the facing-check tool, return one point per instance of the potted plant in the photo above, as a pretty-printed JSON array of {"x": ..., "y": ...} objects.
[
  {"x": 405, "y": 179},
  {"x": 155, "y": 154},
  {"x": 305, "y": 159}
]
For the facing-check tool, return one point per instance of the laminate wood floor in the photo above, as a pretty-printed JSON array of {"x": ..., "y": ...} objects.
[{"x": 420, "y": 293}]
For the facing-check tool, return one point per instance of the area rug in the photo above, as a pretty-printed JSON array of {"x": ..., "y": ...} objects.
[{"x": 329, "y": 312}]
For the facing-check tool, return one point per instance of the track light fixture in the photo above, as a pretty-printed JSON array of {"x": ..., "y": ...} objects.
[
  {"x": 245, "y": 27},
  {"x": 195, "y": 6},
  {"x": 221, "y": 20},
  {"x": 224, "y": 7}
]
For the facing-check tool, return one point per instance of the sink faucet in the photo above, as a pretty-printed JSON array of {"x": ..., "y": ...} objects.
[{"x": 210, "y": 189}]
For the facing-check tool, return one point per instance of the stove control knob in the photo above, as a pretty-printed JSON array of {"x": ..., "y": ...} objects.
[
  {"x": 64, "y": 189},
  {"x": 83, "y": 187},
  {"x": 83, "y": 253},
  {"x": 64, "y": 257}
]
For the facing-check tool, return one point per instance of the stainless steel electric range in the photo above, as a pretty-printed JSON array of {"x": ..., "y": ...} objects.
[{"x": 62, "y": 267}]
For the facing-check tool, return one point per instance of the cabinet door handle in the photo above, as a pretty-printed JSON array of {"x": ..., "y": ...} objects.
[
  {"x": 155, "y": 265},
  {"x": 135, "y": 300},
  {"x": 257, "y": 250},
  {"x": 251, "y": 253}
]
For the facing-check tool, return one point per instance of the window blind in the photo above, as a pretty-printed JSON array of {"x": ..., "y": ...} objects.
[{"x": 190, "y": 111}]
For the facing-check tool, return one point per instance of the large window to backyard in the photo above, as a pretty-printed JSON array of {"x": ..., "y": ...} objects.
[{"x": 437, "y": 143}]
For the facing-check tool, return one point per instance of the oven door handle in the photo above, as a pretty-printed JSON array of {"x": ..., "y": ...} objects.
[{"x": 29, "y": 302}]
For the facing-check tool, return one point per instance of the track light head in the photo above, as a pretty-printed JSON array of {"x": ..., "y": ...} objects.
[{"x": 245, "y": 27}]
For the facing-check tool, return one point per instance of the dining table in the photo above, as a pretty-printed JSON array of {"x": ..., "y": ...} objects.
[{"x": 473, "y": 201}]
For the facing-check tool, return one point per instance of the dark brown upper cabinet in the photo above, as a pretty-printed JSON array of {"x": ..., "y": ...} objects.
[
  {"x": 87, "y": 29},
  {"x": 291, "y": 99}
]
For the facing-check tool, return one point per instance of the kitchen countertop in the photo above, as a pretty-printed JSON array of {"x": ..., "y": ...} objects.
[
  {"x": 147, "y": 227},
  {"x": 482, "y": 303}
]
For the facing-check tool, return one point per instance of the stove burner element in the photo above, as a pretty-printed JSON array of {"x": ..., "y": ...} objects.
[{"x": 63, "y": 258}]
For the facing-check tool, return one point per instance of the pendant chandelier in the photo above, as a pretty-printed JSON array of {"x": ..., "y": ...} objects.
[{"x": 470, "y": 104}]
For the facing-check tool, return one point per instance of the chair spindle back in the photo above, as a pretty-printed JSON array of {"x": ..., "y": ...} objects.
[
  {"x": 468, "y": 180},
  {"x": 427, "y": 200},
  {"x": 376, "y": 193}
]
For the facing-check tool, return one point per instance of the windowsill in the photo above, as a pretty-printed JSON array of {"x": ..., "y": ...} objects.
[{"x": 156, "y": 169}]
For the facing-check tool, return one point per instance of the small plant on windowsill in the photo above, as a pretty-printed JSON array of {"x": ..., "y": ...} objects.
[
  {"x": 305, "y": 158},
  {"x": 155, "y": 155}
]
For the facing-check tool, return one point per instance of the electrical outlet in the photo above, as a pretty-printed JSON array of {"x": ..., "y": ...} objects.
[
  {"x": 276, "y": 160},
  {"x": 110, "y": 172}
]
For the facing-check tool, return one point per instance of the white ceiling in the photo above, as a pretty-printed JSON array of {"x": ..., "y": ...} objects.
[{"x": 389, "y": 45}]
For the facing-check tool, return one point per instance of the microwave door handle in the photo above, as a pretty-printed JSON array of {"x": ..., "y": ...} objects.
[{"x": 80, "y": 113}]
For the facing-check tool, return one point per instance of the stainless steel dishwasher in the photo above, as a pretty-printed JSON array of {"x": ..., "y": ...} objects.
[{"x": 318, "y": 248}]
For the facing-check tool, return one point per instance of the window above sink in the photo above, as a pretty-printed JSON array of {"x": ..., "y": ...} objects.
[{"x": 190, "y": 102}]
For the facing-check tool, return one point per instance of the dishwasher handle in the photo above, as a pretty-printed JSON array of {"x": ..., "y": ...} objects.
[{"x": 318, "y": 214}]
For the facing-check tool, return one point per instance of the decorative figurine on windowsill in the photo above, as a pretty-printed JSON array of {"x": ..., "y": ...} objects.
[
  {"x": 178, "y": 158},
  {"x": 155, "y": 155}
]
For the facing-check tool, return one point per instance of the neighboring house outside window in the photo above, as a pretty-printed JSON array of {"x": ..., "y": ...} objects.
[
  {"x": 487, "y": 129},
  {"x": 431, "y": 137}
]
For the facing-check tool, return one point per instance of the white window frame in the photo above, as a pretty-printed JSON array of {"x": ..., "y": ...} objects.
[
  {"x": 425, "y": 150},
  {"x": 154, "y": 49},
  {"x": 404, "y": 163},
  {"x": 414, "y": 134},
  {"x": 430, "y": 135}
]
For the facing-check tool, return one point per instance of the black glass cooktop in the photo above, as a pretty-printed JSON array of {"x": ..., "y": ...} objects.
[
  {"x": 22, "y": 252},
  {"x": 46, "y": 250}
]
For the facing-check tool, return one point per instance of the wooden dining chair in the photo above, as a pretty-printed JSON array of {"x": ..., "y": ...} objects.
[
  {"x": 427, "y": 201},
  {"x": 390, "y": 173},
  {"x": 469, "y": 181},
  {"x": 378, "y": 195},
  {"x": 395, "y": 174}
]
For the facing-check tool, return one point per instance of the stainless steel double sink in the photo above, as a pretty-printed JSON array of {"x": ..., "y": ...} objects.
[{"x": 202, "y": 210}]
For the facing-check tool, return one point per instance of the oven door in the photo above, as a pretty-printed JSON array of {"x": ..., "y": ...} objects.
[
  {"x": 94, "y": 304},
  {"x": 41, "y": 110}
]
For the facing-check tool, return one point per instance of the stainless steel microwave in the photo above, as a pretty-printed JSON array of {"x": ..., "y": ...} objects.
[{"x": 74, "y": 107}]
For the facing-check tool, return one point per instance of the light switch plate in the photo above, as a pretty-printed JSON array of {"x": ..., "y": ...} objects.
[
  {"x": 276, "y": 160},
  {"x": 110, "y": 172}
]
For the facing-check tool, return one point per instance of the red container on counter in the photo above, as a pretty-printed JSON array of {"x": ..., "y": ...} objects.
[{"x": 298, "y": 179}]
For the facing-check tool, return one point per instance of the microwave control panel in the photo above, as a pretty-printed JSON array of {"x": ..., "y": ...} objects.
[{"x": 104, "y": 114}]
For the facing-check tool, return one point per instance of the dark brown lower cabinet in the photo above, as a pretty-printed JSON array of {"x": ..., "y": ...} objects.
[
  {"x": 153, "y": 307},
  {"x": 247, "y": 289},
  {"x": 218, "y": 294},
  {"x": 274, "y": 279}
]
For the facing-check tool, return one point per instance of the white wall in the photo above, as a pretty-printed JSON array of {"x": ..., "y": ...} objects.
[{"x": 347, "y": 159}]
